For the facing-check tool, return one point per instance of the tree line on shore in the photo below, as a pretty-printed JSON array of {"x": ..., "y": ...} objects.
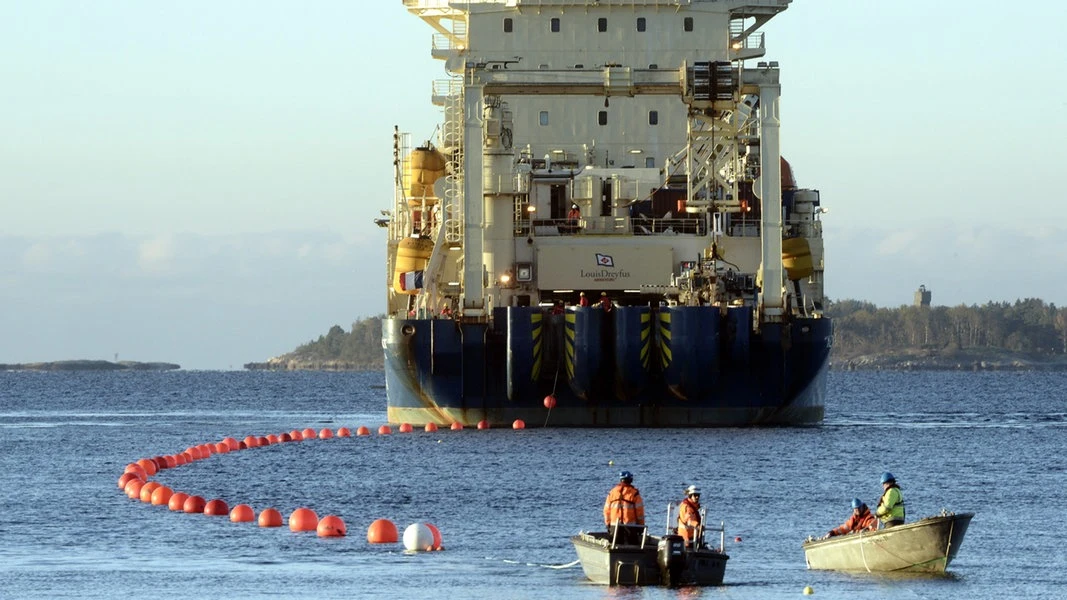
[{"x": 1029, "y": 327}]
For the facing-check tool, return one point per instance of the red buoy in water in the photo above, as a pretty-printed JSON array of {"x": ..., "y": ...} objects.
[
  {"x": 149, "y": 466},
  {"x": 431, "y": 427},
  {"x": 270, "y": 517},
  {"x": 222, "y": 448},
  {"x": 550, "y": 401},
  {"x": 242, "y": 513},
  {"x": 344, "y": 432},
  {"x": 285, "y": 437},
  {"x": 133, "y": 488},
  {"x": 303, "y": 519},
  {"x": 161, "y": 496},
  {"x": 382, "y": 531},
  {"x": 405, "y": 428},
  {"x": 231, "y": 442},
  {"x": 251, "y": 441},
  {"x": 483, "y": 424},
  {"x": 518, "y": 424},
  {"x": 436, "y": 535},
  {"x": 272, "y": 438},
  {"x": 308, "y": 433},
  {"x": 384, "y": 430},
  {"x": 325, "y": 433},
  {"x": 136, "y": 468},
  {"x": 177, "y": 501},
  {"x": 362, "y": 430},
  {"x": 126, "y": 477},
  {"x": 216, "y": 508},
  {"x": 194, "y": 504},
  {"x": 147, "y": 489},
  {"x": 296, "y": 435},
  {"x": 330, "y": 526},
  {"x": 457, "y": 426}
]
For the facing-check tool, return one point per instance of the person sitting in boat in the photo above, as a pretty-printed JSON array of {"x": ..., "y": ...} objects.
[
  {"x": 890, "y": 509},
  {"x": 624, "y": 506},
  {"x": 861, "y": 519},
  {"x": 689, "y": 515}
]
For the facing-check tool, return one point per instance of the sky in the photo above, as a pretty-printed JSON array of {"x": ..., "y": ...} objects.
[{"x": 196, "y": 182}]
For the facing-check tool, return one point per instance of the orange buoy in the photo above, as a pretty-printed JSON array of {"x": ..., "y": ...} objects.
[
  {"x": 362, "y": 430},
  {"x": 133, "y": 488},
  {"x": 206, "y": 450},
  {"x": 483, "y": 424},
  {"x": 296, "y": 435},
  {"x": 126, "y": 477},
  {"x": 382, "y": 531},
  {"x": 161, "y": 496},
  {"x": 262, "y": 441},
  {"x": 384, "y": 430},
  {"x": 177, "y": 501},
  {"x": 251, "y": 441},
  {"x": 149, "y": 466},
  {"x": 231, "y": 442},
  {"x": 331, "y": 526},
  {"x": 194, "y": 453},
  {"x": 431, "y": 427},
  {"x": 161, "y": 463},
  {"x": 171, "y": 460},
  {"x": 457, "y": 426},
  {"x": 308, "y": 433},
  {"x": 181, "y": 459},
  {"x": 221, "y": 448},
  {"x": 242, "y": 513},
  {"x": 216, "y": 508},
  {"x": 272, "y": 438},
  {"x": 436, "y": 535},
  {"x": 194, "y": 504},
  {"x": 270, "y": 517},
  {"x": 285, "y": 437},
  {"x": 303, "y": 519},
  {"x": 405, "y": 428},
  {"x": 325, "y": 433},
  {"x": 550, "y": 401},
  {"x": 518, "y": 424},
  {"x": 344, "y": 432},
  {"x": 737, "y": 539},
  {"x": 136, "y": 468},
  {"x": 146, "y": 491}
]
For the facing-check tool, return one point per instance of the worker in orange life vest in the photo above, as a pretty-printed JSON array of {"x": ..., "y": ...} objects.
[
  {"x": 689, "y": 515},
  {"x": 624, "y": 504},
  {"x": 861, "y": 519}
]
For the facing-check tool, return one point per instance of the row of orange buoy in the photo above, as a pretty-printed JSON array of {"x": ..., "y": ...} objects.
[{"x": 136, "y": 484}]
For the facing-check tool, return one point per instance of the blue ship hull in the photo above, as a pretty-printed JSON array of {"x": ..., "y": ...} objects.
[{"x": 630, "y": 367}]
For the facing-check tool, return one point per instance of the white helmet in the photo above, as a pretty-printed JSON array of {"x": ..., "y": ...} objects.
[{"x": 691, "y": 490}]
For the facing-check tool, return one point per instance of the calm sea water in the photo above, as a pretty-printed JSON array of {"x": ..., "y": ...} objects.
[{"x": 506, "y": 501}]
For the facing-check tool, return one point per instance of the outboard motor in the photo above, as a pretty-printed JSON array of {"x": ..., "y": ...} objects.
[{"x": 670, "y": 555}]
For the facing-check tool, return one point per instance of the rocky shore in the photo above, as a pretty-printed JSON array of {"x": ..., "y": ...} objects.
[
  {"x": 287, "y": 363},
  {"x": 960, "y": 360},
  {"x": 90, "y": 365}
]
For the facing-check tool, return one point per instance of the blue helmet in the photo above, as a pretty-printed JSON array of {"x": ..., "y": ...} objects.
[
  {"x": 857, "y": 503},
  {"x": 626, "y": 476},
  {"x": 887, "y": 477}
]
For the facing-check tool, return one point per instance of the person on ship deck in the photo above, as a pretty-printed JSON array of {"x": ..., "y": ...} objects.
[{"x": 689, "y": 516}]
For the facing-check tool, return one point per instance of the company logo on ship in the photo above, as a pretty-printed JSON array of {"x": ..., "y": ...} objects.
[{"x": 606, "y": 270}]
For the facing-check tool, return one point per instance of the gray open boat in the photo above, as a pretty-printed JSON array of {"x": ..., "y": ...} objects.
[
  {"x": 630, "y": 556},
  {"x": 925, "y": 546}
]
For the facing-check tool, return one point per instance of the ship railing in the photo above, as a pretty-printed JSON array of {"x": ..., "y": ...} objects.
[{"x": 610, "y": 226}]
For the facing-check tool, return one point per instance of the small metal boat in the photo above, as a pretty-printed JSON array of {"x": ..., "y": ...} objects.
[
  {"x": 925, "y": 546},
  {"x": 628, "y": 555}
]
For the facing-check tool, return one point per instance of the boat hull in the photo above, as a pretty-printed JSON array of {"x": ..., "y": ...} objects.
[
  {"x": 925, "y": 546},
  {"x": 637, "y": 565},
  {"x": 630, "y": 367}
]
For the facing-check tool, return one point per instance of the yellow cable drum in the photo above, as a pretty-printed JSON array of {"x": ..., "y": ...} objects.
[
  {"x": 425, "y": 166},
  {"x": 796, "y": 258},
  {"x": 412, "y": 254}
]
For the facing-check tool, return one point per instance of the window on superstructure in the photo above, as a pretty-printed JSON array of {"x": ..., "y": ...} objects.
[
  {"x": 687, "y": 24},
  {"x": 650, "y": 163},
  {"x": 653, "y": 117},
  {"x": 554, "y": 24},
  {"x": 653, "y": 66},
  {"x": 602, "y": 117},
  {"x": 543, "y": 117},
  {"x": 640, "y": 23},
  {"x": 509, "y": 25},
  {"x": 601, "y": 24}
]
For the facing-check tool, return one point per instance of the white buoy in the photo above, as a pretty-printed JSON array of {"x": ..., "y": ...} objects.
[
  {"x": 808, "y": 591},
  {"x": 418, "y": 537}
]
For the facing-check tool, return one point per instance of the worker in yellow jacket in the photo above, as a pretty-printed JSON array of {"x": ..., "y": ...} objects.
[{"x": 890, "y": 509}]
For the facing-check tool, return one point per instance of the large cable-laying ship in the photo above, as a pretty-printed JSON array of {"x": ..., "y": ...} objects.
[{"x": 602, "y": 232}]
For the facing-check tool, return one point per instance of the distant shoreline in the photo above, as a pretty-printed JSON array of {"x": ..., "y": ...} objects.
[{"x": 90, "y": 365}]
